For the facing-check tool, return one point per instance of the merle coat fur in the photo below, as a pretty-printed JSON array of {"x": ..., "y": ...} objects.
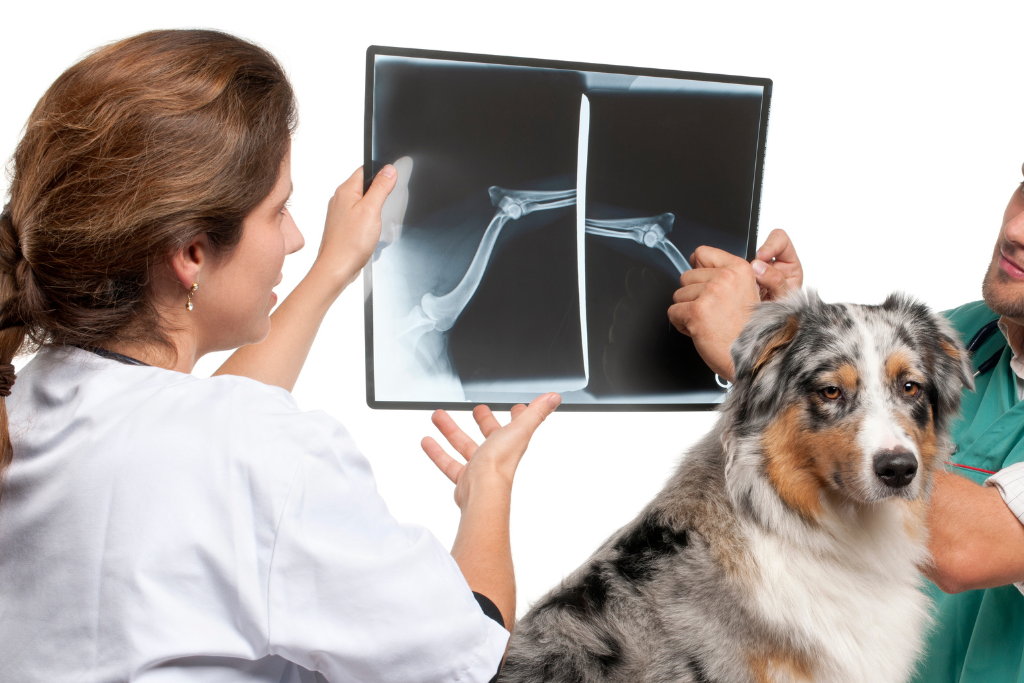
[{"x": 775, "y": 552}]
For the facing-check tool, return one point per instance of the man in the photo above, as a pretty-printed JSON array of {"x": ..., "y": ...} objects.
[{"x": 977, "y": 520}]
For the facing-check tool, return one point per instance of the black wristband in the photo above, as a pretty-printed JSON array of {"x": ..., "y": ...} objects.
[{"x": 489, "y": 608}]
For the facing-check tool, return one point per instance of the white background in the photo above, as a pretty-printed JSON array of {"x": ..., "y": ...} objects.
[{"x": 896, "y": 137}]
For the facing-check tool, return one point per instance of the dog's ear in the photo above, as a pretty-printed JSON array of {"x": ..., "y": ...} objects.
[
  {"x": 947, "y": 362},
  {"x": 771, "y": 329},
  {"x": 952, "y": 372}
]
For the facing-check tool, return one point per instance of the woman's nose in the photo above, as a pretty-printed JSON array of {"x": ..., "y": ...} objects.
[{"x": 293, "y": 239}]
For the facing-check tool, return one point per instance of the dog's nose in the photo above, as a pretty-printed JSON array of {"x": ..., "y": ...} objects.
[{"x": 895, "y": 468}]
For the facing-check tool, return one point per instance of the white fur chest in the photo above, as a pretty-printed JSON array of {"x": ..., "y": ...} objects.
[{"x": 860, "y": 611}]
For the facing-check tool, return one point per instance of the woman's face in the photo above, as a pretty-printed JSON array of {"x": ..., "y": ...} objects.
[{"x": 235, "y": 295}]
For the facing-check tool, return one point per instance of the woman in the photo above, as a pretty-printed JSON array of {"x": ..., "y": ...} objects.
[{"x": 158, "y": 527}]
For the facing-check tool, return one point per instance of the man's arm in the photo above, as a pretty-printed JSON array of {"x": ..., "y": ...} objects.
[{"x": 976, "y": 540}]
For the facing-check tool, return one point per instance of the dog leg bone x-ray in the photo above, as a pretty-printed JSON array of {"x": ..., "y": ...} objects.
[
  {"x": 650, "y": 232},
  {"x": 512, "y": 204}
]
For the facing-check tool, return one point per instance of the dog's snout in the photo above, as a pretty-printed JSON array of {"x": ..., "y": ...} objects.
[{"x": 896, "y": 468}]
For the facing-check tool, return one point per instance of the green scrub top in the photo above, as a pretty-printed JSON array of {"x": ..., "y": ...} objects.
[{"x": 978, "y": 636}]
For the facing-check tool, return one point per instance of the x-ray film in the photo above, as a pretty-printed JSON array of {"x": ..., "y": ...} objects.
[{"x": 543, "y": 215}]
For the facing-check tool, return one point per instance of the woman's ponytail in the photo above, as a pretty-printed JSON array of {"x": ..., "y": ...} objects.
[{"x": 12, "y": 329}]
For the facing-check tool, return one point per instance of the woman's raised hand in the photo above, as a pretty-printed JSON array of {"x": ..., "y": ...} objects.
[
  {"x": 353, "y": 224},
  {"x": 494, "y": 461}
]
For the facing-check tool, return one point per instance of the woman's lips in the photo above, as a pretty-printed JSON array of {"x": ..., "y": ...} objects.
[{"x": 1010, "y": 268}]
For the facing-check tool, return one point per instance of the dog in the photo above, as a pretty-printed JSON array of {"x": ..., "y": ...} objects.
[{"x": 788, "y": 544}]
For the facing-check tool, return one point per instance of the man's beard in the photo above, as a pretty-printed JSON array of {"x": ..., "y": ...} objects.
[{"x": 999, "y": 292}]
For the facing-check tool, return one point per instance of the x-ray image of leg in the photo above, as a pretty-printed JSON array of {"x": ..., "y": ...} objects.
[
  {"x": 444, "y": 310},
  {"x": 650, "y": 232}
]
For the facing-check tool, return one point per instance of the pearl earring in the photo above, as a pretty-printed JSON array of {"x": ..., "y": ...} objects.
[{"x": 188, "y": 304}]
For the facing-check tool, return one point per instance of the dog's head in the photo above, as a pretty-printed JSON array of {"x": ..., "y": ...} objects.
[{"x": 845, "y": 401}]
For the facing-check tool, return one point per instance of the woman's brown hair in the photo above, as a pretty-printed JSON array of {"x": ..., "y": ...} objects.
[{"x": 132, "y": 153}]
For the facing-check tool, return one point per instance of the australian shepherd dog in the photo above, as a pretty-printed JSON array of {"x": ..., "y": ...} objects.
[{"x": 788, "y": 544}]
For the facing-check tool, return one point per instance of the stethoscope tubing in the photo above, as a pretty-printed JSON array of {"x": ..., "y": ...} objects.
[{"x": 986, "y": 331}]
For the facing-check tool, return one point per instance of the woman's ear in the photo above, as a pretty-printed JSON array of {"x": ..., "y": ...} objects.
[{"x": 187, "y": 262}]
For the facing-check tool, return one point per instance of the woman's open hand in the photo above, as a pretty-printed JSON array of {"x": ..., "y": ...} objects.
[{"x": 494, "y": 461}]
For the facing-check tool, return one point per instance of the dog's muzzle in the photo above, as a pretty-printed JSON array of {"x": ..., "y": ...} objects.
[{"x": 895, "y": 468}]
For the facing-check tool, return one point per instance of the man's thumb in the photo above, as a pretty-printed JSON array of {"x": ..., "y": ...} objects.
[
  {"x": 381, "y": 186},
  {"x": 769, "y": 279}
]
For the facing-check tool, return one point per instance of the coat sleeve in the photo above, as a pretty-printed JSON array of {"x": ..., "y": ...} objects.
[
  {"x": 1009, "y": 481},
  {"x": 357, "y": 596}
]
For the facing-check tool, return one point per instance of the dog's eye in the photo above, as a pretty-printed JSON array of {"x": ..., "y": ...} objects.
[
  {"x": 831, "y": 393},
  {"x": 910, "y": 389}
]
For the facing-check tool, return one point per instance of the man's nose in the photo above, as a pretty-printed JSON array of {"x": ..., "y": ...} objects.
[{"x": 1013, "y": 231}]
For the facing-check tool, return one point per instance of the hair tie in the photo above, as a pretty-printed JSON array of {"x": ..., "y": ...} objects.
[{"x": 7, "y": 378}]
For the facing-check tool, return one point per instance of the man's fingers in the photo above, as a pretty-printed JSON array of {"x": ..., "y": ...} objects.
[
  {"x": 517, "y": 409},
  {"x": 698, "y": 275},
  {"x": 486, "y": 420},
  {"x": 770, "y": 280},
  {"x": 710, "y": 257},
  {"x": 679, "y": 316},
  {"x": 456, "y": 437},
  {"x": 687, "y": 293},
  {"x": 778, "y": 246},
  {"x": 381, "y": 187},
  {"x": 446, "y": 463}
]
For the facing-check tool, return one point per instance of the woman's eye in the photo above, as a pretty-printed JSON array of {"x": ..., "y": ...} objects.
[
  {"x": 910, "y": 389},
  {"x": 831, "y": 393}
]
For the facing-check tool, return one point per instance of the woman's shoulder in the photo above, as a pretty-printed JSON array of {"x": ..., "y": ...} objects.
[{"x": 224, "y": 416}]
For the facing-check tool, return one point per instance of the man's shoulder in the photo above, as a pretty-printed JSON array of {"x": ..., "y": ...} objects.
[{"x": 966, "y": 319}]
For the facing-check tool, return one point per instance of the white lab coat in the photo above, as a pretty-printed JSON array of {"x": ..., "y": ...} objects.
[{"x": 157, "y": 527}]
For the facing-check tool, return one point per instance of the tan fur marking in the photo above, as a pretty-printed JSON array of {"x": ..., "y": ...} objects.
[
  {"x": 787, "y": 466},
  {"x": 800, "y": 463},
  {"x": 779, "y": 667},
  {"x": 847, "y": 377},
  {"x": 896, "y": 366},
  {"x": 781, "y": 338},
  {"x": 950, "y": 349}
]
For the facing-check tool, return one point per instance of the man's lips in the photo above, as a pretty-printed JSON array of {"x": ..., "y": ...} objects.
[{"x": 1010, "y": 267}]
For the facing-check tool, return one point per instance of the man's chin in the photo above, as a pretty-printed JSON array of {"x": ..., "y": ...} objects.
[{"x": 1002, "y": 293}]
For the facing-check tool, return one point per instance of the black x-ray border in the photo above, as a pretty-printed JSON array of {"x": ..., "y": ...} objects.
[{"x": 368, "y": 163}]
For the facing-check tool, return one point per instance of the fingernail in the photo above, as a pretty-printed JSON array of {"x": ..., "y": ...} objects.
[
  {"x": 758, "y": 267},
  {"x": 554, "y": 401},
  {"x": 388, "y": 171}
]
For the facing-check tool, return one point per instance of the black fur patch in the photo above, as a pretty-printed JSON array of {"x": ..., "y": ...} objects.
[
  {"x": 696, "y": 667},
  {"x": 563, "y": 670},
  {"x": 643, "y": 546},
  {"x": 612, "y": 656},
  {"x": 920, "y": 414},
  {"x": 587, "y": 597},
  {"x": 747, "y": 503}
]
